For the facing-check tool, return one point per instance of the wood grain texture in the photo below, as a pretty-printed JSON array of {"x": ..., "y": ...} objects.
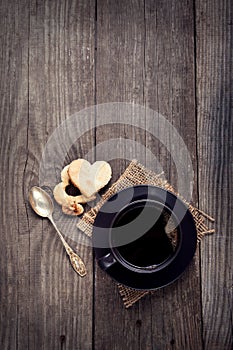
[
  {"x": 163, "y": 70},
  {"x": 58, "y": 57},
  {"x": 61, "y": 48},
  {"x": 169, "y": 89},
  {"x": 14, "y": 250},
  {"x": 119, "y": 78},
  {"x": 215, "y": 130},
  {"x": 47, "y": 71}
]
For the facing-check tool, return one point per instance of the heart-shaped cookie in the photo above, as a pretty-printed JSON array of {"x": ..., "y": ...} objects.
[
  {"x": 70, "y": 202},
  {"x": 89, "y": 178}
]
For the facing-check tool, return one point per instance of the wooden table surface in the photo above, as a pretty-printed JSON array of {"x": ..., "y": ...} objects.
[{"x": 59, "y": 57}]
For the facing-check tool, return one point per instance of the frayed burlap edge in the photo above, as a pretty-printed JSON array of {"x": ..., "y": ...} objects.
[{"x": 137, "y": 174}]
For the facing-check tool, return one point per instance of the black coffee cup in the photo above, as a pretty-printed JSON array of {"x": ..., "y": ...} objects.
[{"x": 144, "y": 237}]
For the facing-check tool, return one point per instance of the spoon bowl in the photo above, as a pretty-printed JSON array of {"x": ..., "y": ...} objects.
[{"x": 41, "y": 202}]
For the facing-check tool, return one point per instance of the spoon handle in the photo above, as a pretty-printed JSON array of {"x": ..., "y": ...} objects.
[{"x": 75, "y": 260}]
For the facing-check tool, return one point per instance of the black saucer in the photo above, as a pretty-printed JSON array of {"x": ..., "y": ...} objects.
[{"x": 147, "y": 280}]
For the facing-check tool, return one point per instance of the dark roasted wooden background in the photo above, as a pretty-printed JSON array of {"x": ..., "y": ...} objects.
[{"x": 59, "y": 56}]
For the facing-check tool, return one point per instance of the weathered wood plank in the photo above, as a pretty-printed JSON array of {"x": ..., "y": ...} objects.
[
  {"x": 61, "y": 82},
  {"x": 170, "y": 90},
  {"x": 215, "y": 130},
  {"x": 119, "y": 78},
  {"x": 14, "y": 282}
]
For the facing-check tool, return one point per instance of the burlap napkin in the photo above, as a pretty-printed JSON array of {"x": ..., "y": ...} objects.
[{"x": 137, "y": 174}]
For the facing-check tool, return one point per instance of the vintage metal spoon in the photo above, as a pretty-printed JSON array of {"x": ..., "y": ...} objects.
[{"x": 42, "y": 204}]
